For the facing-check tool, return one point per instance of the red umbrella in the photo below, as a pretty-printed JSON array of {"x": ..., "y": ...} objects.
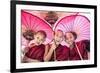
[{"x": 32, "y": 22}]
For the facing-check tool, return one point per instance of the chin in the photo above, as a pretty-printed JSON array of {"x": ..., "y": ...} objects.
[
  {"x": 57, "y": 43},
  {"x": 39, "y": 44}
]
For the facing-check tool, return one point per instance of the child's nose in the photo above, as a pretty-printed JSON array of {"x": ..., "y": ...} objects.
[{"x": 39, "y": 40}]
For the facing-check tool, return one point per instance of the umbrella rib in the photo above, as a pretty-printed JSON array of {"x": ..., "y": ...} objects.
[
  {"x": 26, "y": 22},
  {"x": 30, "y": 22},
  {"x": 35, "y": 23},
  {"x": 81, "y": 22},
  {"x": 23, "y": 20},
  {"x": 64, "y": 27},
  {"x": 74, "y": 22}
]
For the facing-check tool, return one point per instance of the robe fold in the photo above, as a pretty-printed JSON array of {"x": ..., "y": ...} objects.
[
  {"x": 36, "y": 52},
  {"x": 74, "y": 54},
  {"x": 61, "y": 53}
]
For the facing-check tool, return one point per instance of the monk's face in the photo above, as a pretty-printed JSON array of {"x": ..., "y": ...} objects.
[
  {"x": 69, "y": 38},
  {"x": 39, "y": 38},
  {"x": 58, "y": 37}
]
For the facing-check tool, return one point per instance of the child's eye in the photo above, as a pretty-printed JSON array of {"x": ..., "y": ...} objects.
[{"x": 37, "y": 37}]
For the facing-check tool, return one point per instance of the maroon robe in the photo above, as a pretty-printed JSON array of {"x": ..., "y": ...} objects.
[
  {"x": 62, "y": 53},
  {"x": 74, "y": 55},
  {"x": 36, "y": 52}
]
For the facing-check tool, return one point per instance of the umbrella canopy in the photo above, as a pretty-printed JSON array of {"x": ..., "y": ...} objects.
[
  {"x": 32, "y": 22},
  {"x": 75, "y": 23}
]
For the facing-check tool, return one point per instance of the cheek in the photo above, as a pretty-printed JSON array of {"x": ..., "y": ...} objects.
[
  {"x": 34, "y": 38},
  {"x": 72, "y": 39},
  {"x": 37, "y": 39},
  {"x": 68, "y": 40},
  {"x": 61, "y": 39},
  {"x": 55, "y": 37},
  {"x": 41, "y": 42}
]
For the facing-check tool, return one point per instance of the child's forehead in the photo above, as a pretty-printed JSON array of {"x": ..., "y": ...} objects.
[
  {"x": 68, "y": 34},
  {"x": 58, "y": 32},
  {"x": 39, "y": 34}
]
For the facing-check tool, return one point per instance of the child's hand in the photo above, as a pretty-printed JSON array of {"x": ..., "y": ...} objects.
[
  {"x": 31, "y": 45},
  {"x": 53, "y": 46},
  {"x": 26, "y": 49}
]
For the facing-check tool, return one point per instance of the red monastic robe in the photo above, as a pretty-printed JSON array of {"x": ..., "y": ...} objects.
[
  {"x": 36, "y": 52},
  {"x": 74, "y": 54},
  {"x": 61, "y": 52}
]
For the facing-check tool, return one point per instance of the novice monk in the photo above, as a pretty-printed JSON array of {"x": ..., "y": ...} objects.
[
  {"x": 37, "y": 49},
  {"x": 57, "y": 52},
  {"x": 77, "y": 50}
]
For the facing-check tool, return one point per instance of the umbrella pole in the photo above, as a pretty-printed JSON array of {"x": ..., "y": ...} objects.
[
  {"x": 55, "y": 52},
  {"x": 78, "y": 52},
  {"x": 54, "y": 55}
]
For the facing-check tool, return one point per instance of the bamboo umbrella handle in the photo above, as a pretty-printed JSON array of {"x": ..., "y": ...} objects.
[
  {"x": 54, "y": 55},
  {"x": 79, "y": 52},
  {"x": 54, "y": 51}
]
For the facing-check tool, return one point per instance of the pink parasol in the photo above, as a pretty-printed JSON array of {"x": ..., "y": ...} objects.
[
  {"x": 32, "y": 22},
  {"x": 76, "y": 23}
]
